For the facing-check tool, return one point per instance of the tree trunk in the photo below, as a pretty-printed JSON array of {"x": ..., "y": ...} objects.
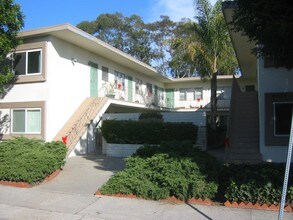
[{"x": 214, "y": 101}]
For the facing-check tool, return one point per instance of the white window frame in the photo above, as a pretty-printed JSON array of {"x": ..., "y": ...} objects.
[
  {"x": 138, "y": 86},
  {"x": 183, "y": 92},
  {"x": 26, "y": 61},
  {"x": 104, "y": 73},
  {"x": 25, "y": 120},
  {"x": 197, "y": 90},
  {"x": 120, "y": 79}
]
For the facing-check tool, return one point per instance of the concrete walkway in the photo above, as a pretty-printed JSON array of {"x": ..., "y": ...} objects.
[
  {"x": 84, "y": 175},
  {"x": 70, "y": 196}
]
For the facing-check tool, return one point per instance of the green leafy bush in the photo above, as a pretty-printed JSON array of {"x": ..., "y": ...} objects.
[
  {"x": 30, "y": 160},
  {"x": 151, "y": 116},
  {"x": 166, "y": 170},
  {"x": 254, "y": 183},
  {"x": 147, "y": 132}
]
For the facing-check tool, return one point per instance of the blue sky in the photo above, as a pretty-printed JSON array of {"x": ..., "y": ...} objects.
[{"x": 51, "y": 12}]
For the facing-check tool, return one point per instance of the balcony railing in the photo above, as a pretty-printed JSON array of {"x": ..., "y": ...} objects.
[{"x": 151, "y": 100}]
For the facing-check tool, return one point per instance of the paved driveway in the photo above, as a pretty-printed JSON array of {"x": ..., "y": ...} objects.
[{"x": 84, "y": 175}]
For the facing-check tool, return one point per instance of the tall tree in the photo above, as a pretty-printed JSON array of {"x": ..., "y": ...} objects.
[
  {"x": 269, "y": 23},
  {"x": 129, "y": 34},
  {"x": 181, "y": 63},
  {"x": 211, "y": 50},
  {"x": 11, "y": 22},
  {"x": 162, "y": 31}
]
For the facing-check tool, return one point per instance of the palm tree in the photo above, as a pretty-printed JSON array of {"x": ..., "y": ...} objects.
[{"x": 211, "y": 50}]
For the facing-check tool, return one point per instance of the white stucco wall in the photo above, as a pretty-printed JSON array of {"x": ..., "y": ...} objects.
[{"x": 272, "y": 80}]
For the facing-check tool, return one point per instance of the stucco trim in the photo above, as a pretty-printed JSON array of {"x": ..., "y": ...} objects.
[
  {"x": 37, "y": 104},
  {"x": 33, "y": 78}
]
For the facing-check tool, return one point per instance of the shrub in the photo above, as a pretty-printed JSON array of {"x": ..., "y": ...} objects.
[
  {"x": 30, "y": 160},
  {"x": 159, "y": 172},
  {"x": 151, "y": 116},
  {"x": 254, "y": 183},
  {"x": 147, "y": 132}
]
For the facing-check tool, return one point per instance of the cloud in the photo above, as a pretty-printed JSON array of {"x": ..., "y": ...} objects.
[
  {"x": 172, "y": 8},
  {"x": 175, "y": 9}
]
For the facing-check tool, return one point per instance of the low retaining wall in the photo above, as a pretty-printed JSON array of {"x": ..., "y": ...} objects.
[{"x": 121, "y": 150}]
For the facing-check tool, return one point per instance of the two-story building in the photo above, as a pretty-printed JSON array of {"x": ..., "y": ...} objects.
[{"x": 67, "y": 79}]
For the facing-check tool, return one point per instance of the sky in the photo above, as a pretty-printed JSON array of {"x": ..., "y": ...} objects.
[{"x": 52, "y": 12}]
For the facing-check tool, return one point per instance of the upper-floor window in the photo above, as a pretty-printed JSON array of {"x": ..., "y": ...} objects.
[
  {"x": 138, "y": 86},
  {"x": 26, "y": 121},
  {"x": 197, "y": 94},
  {"x": 160, "y": 93},
  {"x": 105, "y": 73},
  {"x": 149, "y": 88},
  {"x": 28, "y": 62},
  {"x": 120, "y": 80},
  {"x": 190, "y": 94},
  {"x": 224, "y": 93}
]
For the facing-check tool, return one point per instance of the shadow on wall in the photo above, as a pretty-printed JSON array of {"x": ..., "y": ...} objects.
[
  {"x": 8, "y": 87},
  {"x": 4, "y": 124}
]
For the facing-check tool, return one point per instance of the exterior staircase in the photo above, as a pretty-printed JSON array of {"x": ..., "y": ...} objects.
[
  {"x": 243, "y": 129},
  {"x": 76, "y": 126}
]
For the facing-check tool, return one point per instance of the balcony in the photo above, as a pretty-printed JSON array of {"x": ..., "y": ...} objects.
[{"x": 158, "y": 101}]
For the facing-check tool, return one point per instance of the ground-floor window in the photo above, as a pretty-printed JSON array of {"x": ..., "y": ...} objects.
[
  {"x": 26, "y": 121},
  {"x": 282, "y": 118}
]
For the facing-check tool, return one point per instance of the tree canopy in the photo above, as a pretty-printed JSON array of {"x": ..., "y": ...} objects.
[
  {"x": 269, "y": 23},
  {"x": 170, "y": 46},
  {"x": 11, "y": 22},
  {"x": 211, "y": 50}
]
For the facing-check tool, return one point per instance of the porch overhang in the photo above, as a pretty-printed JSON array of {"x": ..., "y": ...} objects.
[{"x": 242, "y": 46}]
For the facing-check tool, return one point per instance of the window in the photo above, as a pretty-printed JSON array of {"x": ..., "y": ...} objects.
[
  {"x": 197, "y": 94},
  {"x": 190, "y": 94},
  {"x": 120, "y": 80},
  {"x": 138, "y": 86},
  {"x": 26, "y": 121},
  {"x": 27, "y": 62},
  {"x": 224, "y": 93},
  {"x": 149, "y": 88},
  {"x": 160, "y": 93},
  {"x": 105, "y": 74},
  {"x": 182, "y": 94},
  {"x": 282, "y": 118}
]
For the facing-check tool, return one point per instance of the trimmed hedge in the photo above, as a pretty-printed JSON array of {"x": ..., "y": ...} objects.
[
  {"x": 147, "y": 132},
  {"x": 167, "y": 170},
  {"x": 30, "y": 160},
  {"x": 151, "y": 116},
  {"x": 255, "y": 183},
  {"x": 184, "y": 171}
]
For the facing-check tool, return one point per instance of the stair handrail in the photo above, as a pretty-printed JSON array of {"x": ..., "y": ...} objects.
[{"x": 84, "y": 119}]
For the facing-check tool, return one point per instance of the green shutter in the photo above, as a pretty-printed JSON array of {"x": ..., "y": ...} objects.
[
  {"x": 93, "y": 79},
  {"x": 170, "y": 98},
  {"x": 129, "y": 92}
]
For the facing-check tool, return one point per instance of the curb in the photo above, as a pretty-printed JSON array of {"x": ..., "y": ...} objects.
[
  {"x": 249, "y": 205},
  {"x": 171, "y": 199},
  {"x": 27, "y": 185},
  {"x": 208, "y": 202}
]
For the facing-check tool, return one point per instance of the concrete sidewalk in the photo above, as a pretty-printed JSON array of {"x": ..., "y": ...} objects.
[
  {"x": 70, "y": 196},
  {"x": 84, "y": 174}
]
